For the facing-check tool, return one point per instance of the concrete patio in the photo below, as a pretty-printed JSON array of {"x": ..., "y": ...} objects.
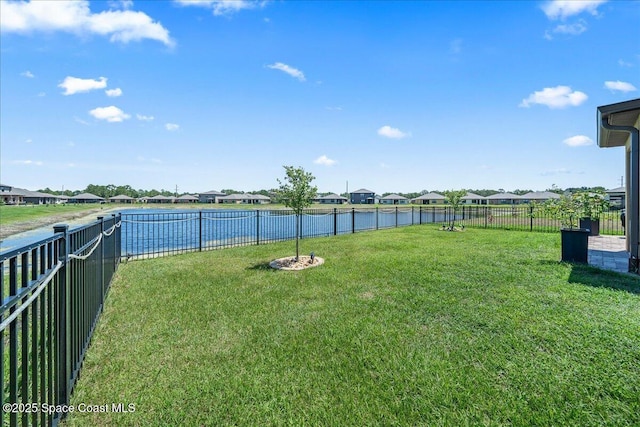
[{"x": 609, "y": 253}]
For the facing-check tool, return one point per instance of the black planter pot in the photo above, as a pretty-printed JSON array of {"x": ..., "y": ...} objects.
[
  {"x": 591, "y": 224},
  {"x": 575, "y": 244}
]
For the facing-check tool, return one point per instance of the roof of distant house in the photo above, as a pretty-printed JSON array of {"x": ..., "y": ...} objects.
[
  {"x": 503, "y": 196},
  {"x": 394, "y": 197},
  {"x": 430, "y": 196},
  {"x": 213, "y": 193},
  {"x": 470, "y": 196},
  {"x": 361, "y": 191},
  {"x": 332, "y": 196},
  {"x": 86, "y": 196},
  {"x": 540, "y": 195}
]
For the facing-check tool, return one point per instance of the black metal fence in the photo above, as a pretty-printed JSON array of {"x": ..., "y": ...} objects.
[
  {"x": 151, "y": 234},
  {"x": 52, "y": 295}
]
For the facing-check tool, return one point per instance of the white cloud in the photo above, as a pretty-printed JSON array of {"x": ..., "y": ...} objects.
[
  {"x": 562, "y": 9},
  {"x": 73, "y": 85},
  {"x": 578, "y": 141},
  {"x": 394, "y": 133},
  {"x": 121, "y": 4},
  {"x": 28, "y": 141},
  {"x": 555, "y": 97},
  {"x": 113, "y": 93},
  {"x": 42, "y": 94},
  {"x": 455, "y": 46},
  {"x": 620, "y": 86},
  {"x": 144, "y": 118},
  {"x": 82, "y": 122},
  {"x": 623, "y": 63},
  {"x": 111, "y": 114},
  {"x": 223, "y": 7},
  {"x": 384, "y": 166},
  {"x": 171, "y": 127},
  {"x": 559, "y": 171},
  {"x": 293, "y": 72},
  {"x": 28, "y": 162},
  {"x": 76, "y": 17},
  {"x": 27, "y": 74},
  {"x": 571, "y": 29},
  {"x": 324, "y": 161}
]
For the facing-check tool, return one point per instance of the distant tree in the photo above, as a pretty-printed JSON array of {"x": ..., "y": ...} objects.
[
  {"x": 555, "y": 189},
  {"x": 297, "y": 193}
]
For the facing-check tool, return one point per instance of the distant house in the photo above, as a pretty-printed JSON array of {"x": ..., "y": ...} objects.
[
  {"x": 86, "y": 198},
  {"x": 429, "y": 199},
  {"x": 331, "y": 199},
  {"x": 474, "y": 199},
  {"x": 252, "y": 199},
  {"x": 617, "y": 196},
  {"x": 161, "y": 199},
  {"x": 504, "y": 199},
  {"x": 210, "y": 196},
  {"x": 394, "y": 199},
  {"x": 539, "y": 196},
  {"x": 187, "y": 198},
  {"x": 364, "y": 197},
  {"x": 9, "y": 196},
  {"x": 122, "y": 198}
]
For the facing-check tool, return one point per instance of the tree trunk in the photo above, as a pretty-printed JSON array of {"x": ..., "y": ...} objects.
[{"x": 297, "y": 237}]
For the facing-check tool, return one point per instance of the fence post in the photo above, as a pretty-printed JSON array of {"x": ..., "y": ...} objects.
[
  {"x": 353, "y": 220},
  {"x": 200, "y": 231},
  {"x": 101, "y": 266},
  {"x": 61, "y": 351},
  {"x": 257, "y": 227},
  {"x": 377, "y": 217},
  {"x": 530, "y": 217},
  {"x": 396, "y": 217},
  {"x": 335, "y": 221}
]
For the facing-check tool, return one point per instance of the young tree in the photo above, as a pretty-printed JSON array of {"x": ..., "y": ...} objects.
[
  {"x": 454, "y": 198},
  {"x": 297, "y": 193}
]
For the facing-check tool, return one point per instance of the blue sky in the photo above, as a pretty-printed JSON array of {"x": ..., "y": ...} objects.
[{"x": 391, "y": 96}]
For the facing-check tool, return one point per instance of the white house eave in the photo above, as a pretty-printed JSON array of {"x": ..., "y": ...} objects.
[{"x": 621, "y": 114}]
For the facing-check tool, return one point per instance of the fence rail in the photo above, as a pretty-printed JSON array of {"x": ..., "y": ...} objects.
[
  {"x": 147, "y": 235},
  {"x": 52, "y": 295}
]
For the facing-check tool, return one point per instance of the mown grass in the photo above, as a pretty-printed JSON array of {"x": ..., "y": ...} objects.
[
  {"x": 17, "y": 213},
  {"x": 408, "y": 326}
]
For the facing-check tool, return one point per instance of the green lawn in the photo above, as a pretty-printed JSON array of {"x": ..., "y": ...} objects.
[
  {"x": 17, "y": 213},
  {"x": 408, "y": 326}
]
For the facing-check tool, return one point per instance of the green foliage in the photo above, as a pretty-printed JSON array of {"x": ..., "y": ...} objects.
[
  {"x": 297, "y": 193},
  {"x": 454, "y": 199},
  {"x": 566, "y": 209},
  {"x": 591, "y": 204}
]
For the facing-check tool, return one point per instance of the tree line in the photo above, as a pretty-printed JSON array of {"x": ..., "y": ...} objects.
[{"x": 111, "y": 190}]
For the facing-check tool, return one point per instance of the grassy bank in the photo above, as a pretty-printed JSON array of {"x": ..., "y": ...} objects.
[
  {"x": 409, "y": 326},
  {"x": 16, "y": 213}
]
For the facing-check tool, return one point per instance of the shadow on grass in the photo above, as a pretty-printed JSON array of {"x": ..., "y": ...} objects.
[
  {"x": 598, "y": 278},
  {"x": 261, "y": 266}
]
